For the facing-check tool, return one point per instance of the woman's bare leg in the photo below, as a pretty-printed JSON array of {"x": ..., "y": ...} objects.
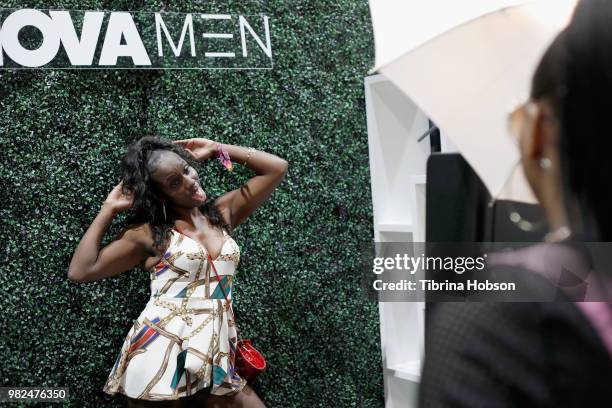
[
  {"x": 244, "y": 399},
  {"x": 136, "y": 403}
]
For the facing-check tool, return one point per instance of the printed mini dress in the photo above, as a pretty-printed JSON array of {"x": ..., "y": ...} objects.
[{"x": 185, "y": 338}]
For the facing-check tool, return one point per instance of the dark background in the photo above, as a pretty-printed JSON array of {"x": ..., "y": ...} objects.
[{"x": 62, "y": 134}]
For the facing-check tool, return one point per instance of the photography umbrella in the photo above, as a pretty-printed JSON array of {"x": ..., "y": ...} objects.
[{"x": 466, "y": 65}]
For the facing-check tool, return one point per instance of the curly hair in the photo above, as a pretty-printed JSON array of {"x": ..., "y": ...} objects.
[{"x": 148, "y": 207}]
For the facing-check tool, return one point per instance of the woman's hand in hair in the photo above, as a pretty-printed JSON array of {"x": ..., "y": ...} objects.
[
  {"x": 89, "y": 262},
  {"x": 117, "y": 200},
  {"x": 201, "y": 149}
]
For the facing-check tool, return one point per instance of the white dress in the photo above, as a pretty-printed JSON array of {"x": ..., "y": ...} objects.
[{"x": 185, "y": 338}]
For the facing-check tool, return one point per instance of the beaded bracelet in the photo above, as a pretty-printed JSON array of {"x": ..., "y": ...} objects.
[{"x": 251, "y": 150}]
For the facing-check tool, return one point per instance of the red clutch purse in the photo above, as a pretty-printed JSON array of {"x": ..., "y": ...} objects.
[{"x": 249, "y": 362}]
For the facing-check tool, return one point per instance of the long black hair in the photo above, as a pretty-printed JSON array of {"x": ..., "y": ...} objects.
[
  {"x": 575, "y": 75},
  {"x": 148, "y": 208}
]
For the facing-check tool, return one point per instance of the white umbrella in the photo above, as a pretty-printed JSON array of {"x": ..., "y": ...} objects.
[{"x": 466, "y": 64}]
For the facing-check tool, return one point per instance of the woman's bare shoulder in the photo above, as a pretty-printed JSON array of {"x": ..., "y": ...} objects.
[{"x": 222, "y": 204}]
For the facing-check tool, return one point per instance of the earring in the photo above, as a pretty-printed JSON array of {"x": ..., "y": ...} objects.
[
  {"x": 545, "y": 163},
  {"x": 164, "y": 208}
]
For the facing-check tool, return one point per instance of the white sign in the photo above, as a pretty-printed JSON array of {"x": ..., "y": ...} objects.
[{"x": 120, "y": 39}]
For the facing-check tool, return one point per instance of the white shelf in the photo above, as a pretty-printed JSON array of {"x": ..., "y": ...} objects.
[
  {"x": 410, "y": 371},
  {"x": 400, "y": 227},
  {"x": 394, "y": 126},
  {"x": 417, "y": 180},
  {"x": 417, "y": 197},
  {"x": 398, "y": 164}
]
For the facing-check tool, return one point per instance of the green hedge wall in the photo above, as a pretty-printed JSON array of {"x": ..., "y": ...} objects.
[{"x": 62, "y": 134}]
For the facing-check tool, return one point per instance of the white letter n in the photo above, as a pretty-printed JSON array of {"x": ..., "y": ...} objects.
[{"x": 267, "y": 49}]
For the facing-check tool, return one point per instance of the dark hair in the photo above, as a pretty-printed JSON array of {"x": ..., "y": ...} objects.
[
  {"x": 575, "y": 75},
  {"x": 147, "y": 209}
]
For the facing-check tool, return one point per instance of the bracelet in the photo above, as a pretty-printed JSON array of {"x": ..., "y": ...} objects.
[{"x": 251, "y": 150}]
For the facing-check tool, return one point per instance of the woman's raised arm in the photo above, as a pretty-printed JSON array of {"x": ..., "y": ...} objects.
[
  {"x": 243, "y": 201},
  {"x": 89, "y": 263}
]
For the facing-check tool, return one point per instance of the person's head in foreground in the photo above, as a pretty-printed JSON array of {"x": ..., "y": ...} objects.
[
  {"x": 556, "y": 353},
  {"x": 563, "y": 130}
]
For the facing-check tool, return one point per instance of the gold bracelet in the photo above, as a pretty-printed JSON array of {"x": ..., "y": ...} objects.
[{"x": 251, "y": 150}]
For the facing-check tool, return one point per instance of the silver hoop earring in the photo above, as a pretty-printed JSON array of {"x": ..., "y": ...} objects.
[
  {"x": 545, "y": 163},
  {"x": 164, "y": 208}
]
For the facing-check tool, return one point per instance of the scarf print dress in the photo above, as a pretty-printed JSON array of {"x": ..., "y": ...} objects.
[{"x": 185, "y": 338}]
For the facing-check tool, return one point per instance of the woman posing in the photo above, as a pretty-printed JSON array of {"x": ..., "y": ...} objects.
[{"x": 181, "y": 349}]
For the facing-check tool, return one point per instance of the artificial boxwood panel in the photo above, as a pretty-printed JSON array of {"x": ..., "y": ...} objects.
[{"x": 298, "y": 293}]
